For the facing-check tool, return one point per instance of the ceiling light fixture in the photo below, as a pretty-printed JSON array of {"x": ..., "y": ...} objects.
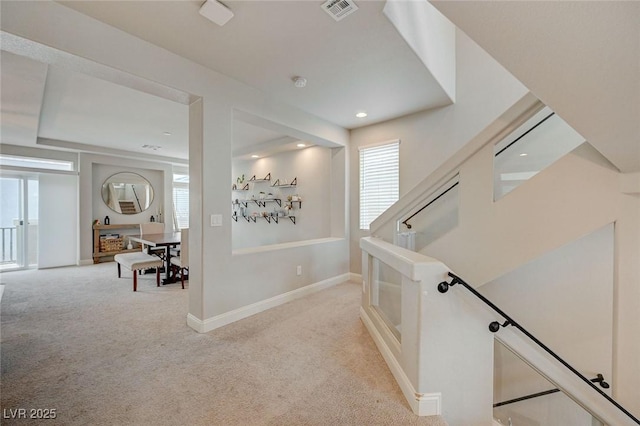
[
  {"x": 166, "y": 133},
  {"x": 255, "y": 156},
  {"x": 361, "y": 114},
  {"x": 299, "y": 82},
  {"x": 524, "y": 154},
  {"x": 216, "y": 12},
  {"x": 301, "y": 145}
]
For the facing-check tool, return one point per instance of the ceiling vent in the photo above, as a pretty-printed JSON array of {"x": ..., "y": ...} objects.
[{"x": 338, "y": 9}]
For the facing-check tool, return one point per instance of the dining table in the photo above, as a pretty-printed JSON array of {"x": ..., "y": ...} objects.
[{"x": 166, "y": 240}]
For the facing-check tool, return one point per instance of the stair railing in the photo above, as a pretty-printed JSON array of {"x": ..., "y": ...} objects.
[
  {"x": 495, "y": 326},
  {"x": 598, "y": 379},
  {"x": 442, "y": 194}
]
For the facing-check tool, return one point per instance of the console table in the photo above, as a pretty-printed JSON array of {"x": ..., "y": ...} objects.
[{"x": 98, "y": 254}]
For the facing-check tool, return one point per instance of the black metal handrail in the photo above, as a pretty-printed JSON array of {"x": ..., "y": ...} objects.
[
  {"x": 494, "y": 326},
  {"x": 525, "y": 133},
  {"x": 599, "y": 379},
  {"x": 137, "y": 199},
  {"x": 404, "y": 222}
]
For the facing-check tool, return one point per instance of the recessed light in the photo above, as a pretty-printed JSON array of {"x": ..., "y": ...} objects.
[
  {"x": 166, "y": 133},
  {"x": 301, "y": 145},
  {"x": 524, "y": 154},
  {"x": 255, "y": 156},
  {"x": 153, "y": 147},
  {"x": 361, "y": 114}
]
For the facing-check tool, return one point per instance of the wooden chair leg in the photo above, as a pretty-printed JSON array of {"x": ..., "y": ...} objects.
[
  {"x": 158, "y": 277},
  {"x": 119, "y": 273},
  {"x": 135, "y": 281}
]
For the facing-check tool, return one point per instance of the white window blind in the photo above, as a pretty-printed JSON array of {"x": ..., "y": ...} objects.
[
  {"x": 379, "y": 180},
  {"x": 181, "y": 200}
]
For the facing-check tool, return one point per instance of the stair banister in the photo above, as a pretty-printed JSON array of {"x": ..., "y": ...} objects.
[
  {"x": 443, "y": 360},
  {"x": 431, "y": 377},
  {"x": 549, "y": 364}
]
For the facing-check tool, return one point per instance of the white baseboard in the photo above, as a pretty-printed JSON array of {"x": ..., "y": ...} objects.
[
  {"x": 422, "y": 404},
  {"x": 356, "y": 278},
  {"x": 246, "y": 311},
  {"x": 84, "y": 262},
  {"x": 195, "y": 323}
]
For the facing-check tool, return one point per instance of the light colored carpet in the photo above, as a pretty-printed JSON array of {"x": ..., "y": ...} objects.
[{"x": 79, "y": 340}]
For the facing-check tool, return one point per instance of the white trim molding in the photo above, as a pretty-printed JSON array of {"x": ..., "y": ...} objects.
[
  {"x": 422, "y": 404},
  {"x": 209, "y": 324}
]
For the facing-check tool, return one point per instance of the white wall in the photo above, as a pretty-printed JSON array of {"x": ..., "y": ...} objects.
[
  {"x": 484, "y": 90},
  {"x": 57, "y": 220},
  {"x": 580, "y": 193},
  {"x": 312, "y": 167},
  {"x": 94, "y": 169},
  {"x": 575, "y": 196},
  {"x": 430, "y": 35},
  {"x": 565, "y": 299},
  {"x": 213, "y": 96},
  {"x": 579, "y": 58},
  {"x": 57, "y": 238}
]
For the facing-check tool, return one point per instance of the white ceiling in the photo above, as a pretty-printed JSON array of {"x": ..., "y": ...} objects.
[
  {"x": 586, "y": 68},
  {"x": 21, "y": 90},
  {"x": 84, "y": 109},
  {"x": 582, "y": 59},
  {"x": 358, "y": 64}
]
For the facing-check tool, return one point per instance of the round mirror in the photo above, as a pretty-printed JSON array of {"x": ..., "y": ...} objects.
[{"x": 127, "y": 193}]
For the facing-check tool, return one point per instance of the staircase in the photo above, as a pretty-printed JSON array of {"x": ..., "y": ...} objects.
[{"x": 439, "y": 347}]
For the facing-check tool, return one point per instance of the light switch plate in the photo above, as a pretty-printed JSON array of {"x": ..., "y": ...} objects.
[{"x": 216, "y": 220}]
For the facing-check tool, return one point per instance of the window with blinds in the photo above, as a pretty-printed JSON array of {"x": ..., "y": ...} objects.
[
  {"x": 379, "y": 180},
  {"x": 181, "y": 201}
]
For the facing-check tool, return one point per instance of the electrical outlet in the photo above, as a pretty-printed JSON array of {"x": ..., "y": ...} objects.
[{"x": 299, "y": 270}]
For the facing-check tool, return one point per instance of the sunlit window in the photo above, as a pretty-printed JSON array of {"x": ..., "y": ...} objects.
[
  {"x": 35, "y": 163},
  {"x": 379, "y": 180},
  {"x": 181, "y": 200}
]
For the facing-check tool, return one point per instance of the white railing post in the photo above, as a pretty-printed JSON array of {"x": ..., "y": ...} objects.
[{"x": 443, "y": 360}]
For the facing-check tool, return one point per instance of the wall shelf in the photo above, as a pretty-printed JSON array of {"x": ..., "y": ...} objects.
[
  {"x": 267, "y": 178},
  {"x": 293, "y": 184},
  {"x": 262, "y": 202},
  {"x": 269, "y": 219},
  {"x": 234, "y": 187},
  {"x": 97, "y": 253}
]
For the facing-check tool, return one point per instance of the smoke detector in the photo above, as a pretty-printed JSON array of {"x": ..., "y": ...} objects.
[
  {"x": 216, "y": 12},
  {"x": 299, "y": 82},
  {"x": 339, "y": 9}
]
